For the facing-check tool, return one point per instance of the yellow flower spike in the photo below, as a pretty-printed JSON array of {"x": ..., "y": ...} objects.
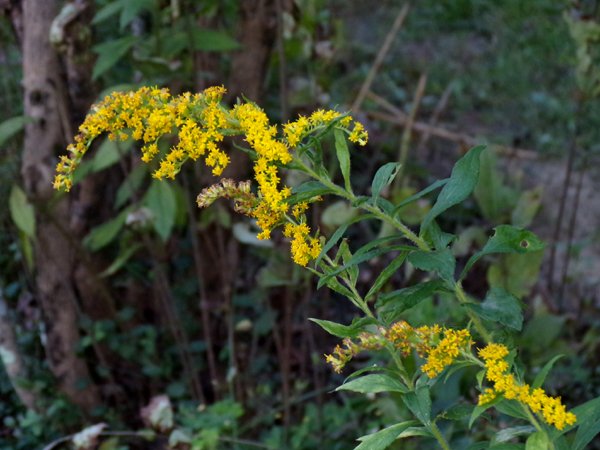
[
  {"x": 303, "y": 247},
  {"x": 200, "y": 123},
  {"x": 550, "y": 408}
]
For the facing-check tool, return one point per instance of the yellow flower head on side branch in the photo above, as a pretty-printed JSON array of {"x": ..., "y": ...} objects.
[{"x": 440, "y": 346}]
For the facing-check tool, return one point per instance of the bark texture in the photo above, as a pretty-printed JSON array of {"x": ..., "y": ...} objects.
[
  {"x": 257, "y": 36},
  {"x": 45, "y": 101}
]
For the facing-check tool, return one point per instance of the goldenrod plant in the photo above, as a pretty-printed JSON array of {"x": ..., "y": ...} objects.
[{"x": 420, "y": 357}]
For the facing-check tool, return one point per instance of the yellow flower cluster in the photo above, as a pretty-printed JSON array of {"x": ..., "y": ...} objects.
[
  {"x": 270, "y": 152},
  {"x": 505, "y": 383},
  {"x": 297, "y": 130},
  {"x": 446, "y": 351},
  {"x": 200, "y": 123},
  {"x": 304, "y": 247},
  {"x": 441, "y": 346},
  {"x": 149, "y": 114}
]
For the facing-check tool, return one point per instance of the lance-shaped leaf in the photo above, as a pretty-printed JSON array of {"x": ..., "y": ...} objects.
[
  {"x": 374, "y": 383},
  {"x": 500, "y": 306},
  {"x": 383, "y": 177},
  {"x": 441, "y": 262},
  {"x": 419, "y": 403},
  {"x": 392, "y": 304},
  {"x": 344, "y": 331},
  {"x": 463, "y": 180},
  {"x": 343, "y": 156},
  {"x": 383, "y": 439}
]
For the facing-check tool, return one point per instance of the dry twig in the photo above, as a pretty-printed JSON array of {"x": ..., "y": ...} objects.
[{"x": 383, "y": 51}]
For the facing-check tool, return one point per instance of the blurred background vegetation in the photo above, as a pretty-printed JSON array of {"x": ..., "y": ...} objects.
[{"x": 124, "y": 291}]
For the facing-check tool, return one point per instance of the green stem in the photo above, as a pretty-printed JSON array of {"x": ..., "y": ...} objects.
[
  {"x": 376, "y": 211},
  {"x": 437, "y": 434},
  {"x": 537, "y": 425},
  {"x": 356, "y": 297},
  {"x": 463, "y": 299},
  {"x": 401, "y": 369}
]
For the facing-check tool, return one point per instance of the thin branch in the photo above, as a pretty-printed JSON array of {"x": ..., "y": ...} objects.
[
  {"x": 400, "y": 118},
  {"x": 383, "y": 51},
  {"x": 406, "y": 135},
  {"x": 563, "y": 200},
  {"x": 437, "y": 112},
  {"x": 570, "y": 235},
  {"x": 204, "y": 305}
]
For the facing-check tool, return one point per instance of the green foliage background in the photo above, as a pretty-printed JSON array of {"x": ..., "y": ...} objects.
[{"x": 510, "y": 66}]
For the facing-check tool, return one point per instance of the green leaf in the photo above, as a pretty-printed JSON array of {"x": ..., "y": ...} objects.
[
  {"x": 460, "y": 185},
  {"x": 527, "y": 207},
  {"x": 515, "y": 272},
  {"x": 343, "y": 331},
  {"x": 419, "y": 402},
  {"x": 132, "y": 183},
  {"x": 538, "y": 441},
  {"x": 541, "y": 377},
  {"x": 500, "y": 306},
  {"x": 338, "y": 213},
  {"x": 108, "y": 154},
  {"x": 495, "y": 199},
  {"x": 386, "y": 274},
  {"x": 109, "y": 53},
  {"x": 307, "y": 191},
  {"x": 508, "y": 434},
  {"x": 108, "y": 11},
  {"x": 352, "y": 270},
  {"x": 366, "y": 253},
  {"x": 383, "y": 438},
  {"x": 21, "y": 211},
  {"x": 337, "y": 235},
  {"x": 458, "y": 411},
  {"x": 541, "y": 332},
  {"x": 131, "y": 9},
  {"x": 104, "y": 234},
  {"x": 213, "y": 40},
  {"x": 507, "y": 239},
  {"x": 480, "y": 409},
  {"x": 343, "y": 156},
  {"x": 393, "y": 304},
  {"x": 512, "y": 408},
  {"x": 120, "y": 261},
  {"x": 374, "y": 383},
  {"x": 160, "y": 199},
  {"x": 415, "y": 431},
  {"x": 441, "y": 262},
  {"x": 413, "y": 198},
  {"x": 588, "y": 418},
  {"x": 383, "y": 177},
  {"x": 12, "y": 126},
  {"x": 437, "y": 237},
  {"x": 332, "y": 283}
]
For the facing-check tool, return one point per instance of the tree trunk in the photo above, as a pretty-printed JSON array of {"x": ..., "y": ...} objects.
[
  {"x": 257, "y": 35},
  {"x": 45, "y": 102}
]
